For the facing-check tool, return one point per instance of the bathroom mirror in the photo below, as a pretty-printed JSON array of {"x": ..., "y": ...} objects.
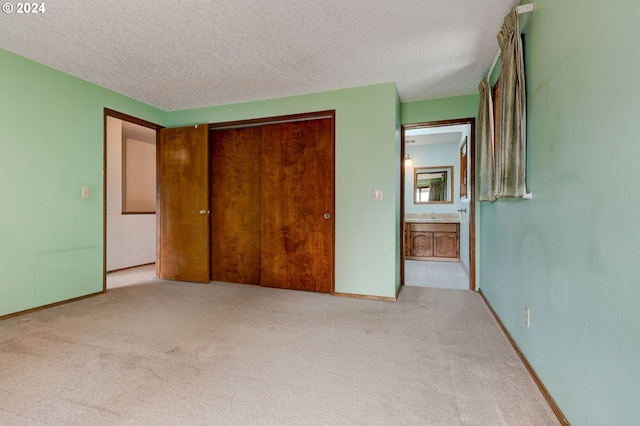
[{"x": 433, "y": 185}]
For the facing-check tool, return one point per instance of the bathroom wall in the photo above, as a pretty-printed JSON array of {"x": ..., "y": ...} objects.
[{"x": 428, "y": 156}]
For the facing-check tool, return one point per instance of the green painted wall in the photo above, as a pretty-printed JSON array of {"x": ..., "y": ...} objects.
[
  {"x": 440, "y": 109},
  {"x": 51, "y": 145},
  {"x": 51, "y": 130},
  {"x": 570, "y": 254},
  {"x": 367, "y": 156}
]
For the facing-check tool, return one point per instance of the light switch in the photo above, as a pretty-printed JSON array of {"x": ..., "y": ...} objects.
[
  {"x": 377, "y": 195},
  {"x": 85, "y": 192}
]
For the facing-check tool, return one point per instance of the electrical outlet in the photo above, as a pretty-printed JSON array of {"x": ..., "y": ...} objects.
[{"x": 527, "y": 316}]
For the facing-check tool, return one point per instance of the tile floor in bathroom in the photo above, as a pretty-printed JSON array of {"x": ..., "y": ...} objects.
[{"x": 421, "y": 273}]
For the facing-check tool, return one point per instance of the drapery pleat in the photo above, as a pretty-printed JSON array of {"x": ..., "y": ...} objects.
[
  {"x": 435, "y": 191},
  {"x": 484, "y": 133},
  {"x": 510, "y": 164}
]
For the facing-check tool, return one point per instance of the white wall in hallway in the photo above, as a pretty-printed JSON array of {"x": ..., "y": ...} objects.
[{"x": 131, "y": 238}]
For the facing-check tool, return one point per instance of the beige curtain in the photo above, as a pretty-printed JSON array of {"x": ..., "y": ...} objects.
[
  {"x": 486, "y": 165},
  {"x": 510, "y": 164},
  {"x": 435, "y": 191}
]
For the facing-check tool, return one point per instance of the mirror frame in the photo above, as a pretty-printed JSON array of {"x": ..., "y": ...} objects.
[
  {"x": 464, "y": 181},
  {"x": 434, "y": 169}
]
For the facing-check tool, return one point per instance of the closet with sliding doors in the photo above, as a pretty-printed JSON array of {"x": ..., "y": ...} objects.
[{"x": 259, "y": 210}]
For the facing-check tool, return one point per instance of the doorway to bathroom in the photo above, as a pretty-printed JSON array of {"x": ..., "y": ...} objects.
[{"x": 438, "y": 204}]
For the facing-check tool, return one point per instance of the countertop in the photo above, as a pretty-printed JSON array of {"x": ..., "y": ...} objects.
[{"x": 436, "y": 218}]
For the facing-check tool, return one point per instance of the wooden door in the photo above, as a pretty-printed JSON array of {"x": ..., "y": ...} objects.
[
  {"x": 235, "y": 205},
  {"x": 297, "y": 205},
  {"x": 183, "y": 218}
]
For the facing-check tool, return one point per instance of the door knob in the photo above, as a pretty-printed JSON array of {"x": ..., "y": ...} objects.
[
  {"x": 327, "y": 216},
  {"x": 204, "y": 212}
]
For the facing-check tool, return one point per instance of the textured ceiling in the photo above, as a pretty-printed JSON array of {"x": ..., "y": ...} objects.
[
  {"x": 436, "y": 135},
  {"x": 434, "y": 139},
  {"x": 178, "y": 55}
]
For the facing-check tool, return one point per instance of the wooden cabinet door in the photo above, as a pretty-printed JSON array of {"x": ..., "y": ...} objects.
[
  {"x": 297, "y": 205},
  {"x": 421, "y": 244},
  {"x": 183, "y": 198},
  {"x": 433, "y": 241},
  {"x": 445, "y": 244}
]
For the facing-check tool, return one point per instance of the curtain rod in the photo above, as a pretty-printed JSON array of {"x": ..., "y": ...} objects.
[{"x": 524, "y": 8}]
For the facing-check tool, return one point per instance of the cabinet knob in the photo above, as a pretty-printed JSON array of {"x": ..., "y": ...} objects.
[
  {"x": 204, "y": 212},
  {"x": 327, "y": 216}
]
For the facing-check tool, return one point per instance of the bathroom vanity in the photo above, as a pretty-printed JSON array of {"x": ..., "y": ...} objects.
[{"x": 432, "y": 239}]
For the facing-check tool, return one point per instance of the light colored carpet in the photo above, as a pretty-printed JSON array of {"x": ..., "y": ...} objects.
[{"x": 168, "y": 353}]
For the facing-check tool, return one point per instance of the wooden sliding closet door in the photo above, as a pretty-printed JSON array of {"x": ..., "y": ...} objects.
[
  {"x": 235, "y": 205},
  {"x": 297, "y": 205},
  {"x": 183, "y": 194}
]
